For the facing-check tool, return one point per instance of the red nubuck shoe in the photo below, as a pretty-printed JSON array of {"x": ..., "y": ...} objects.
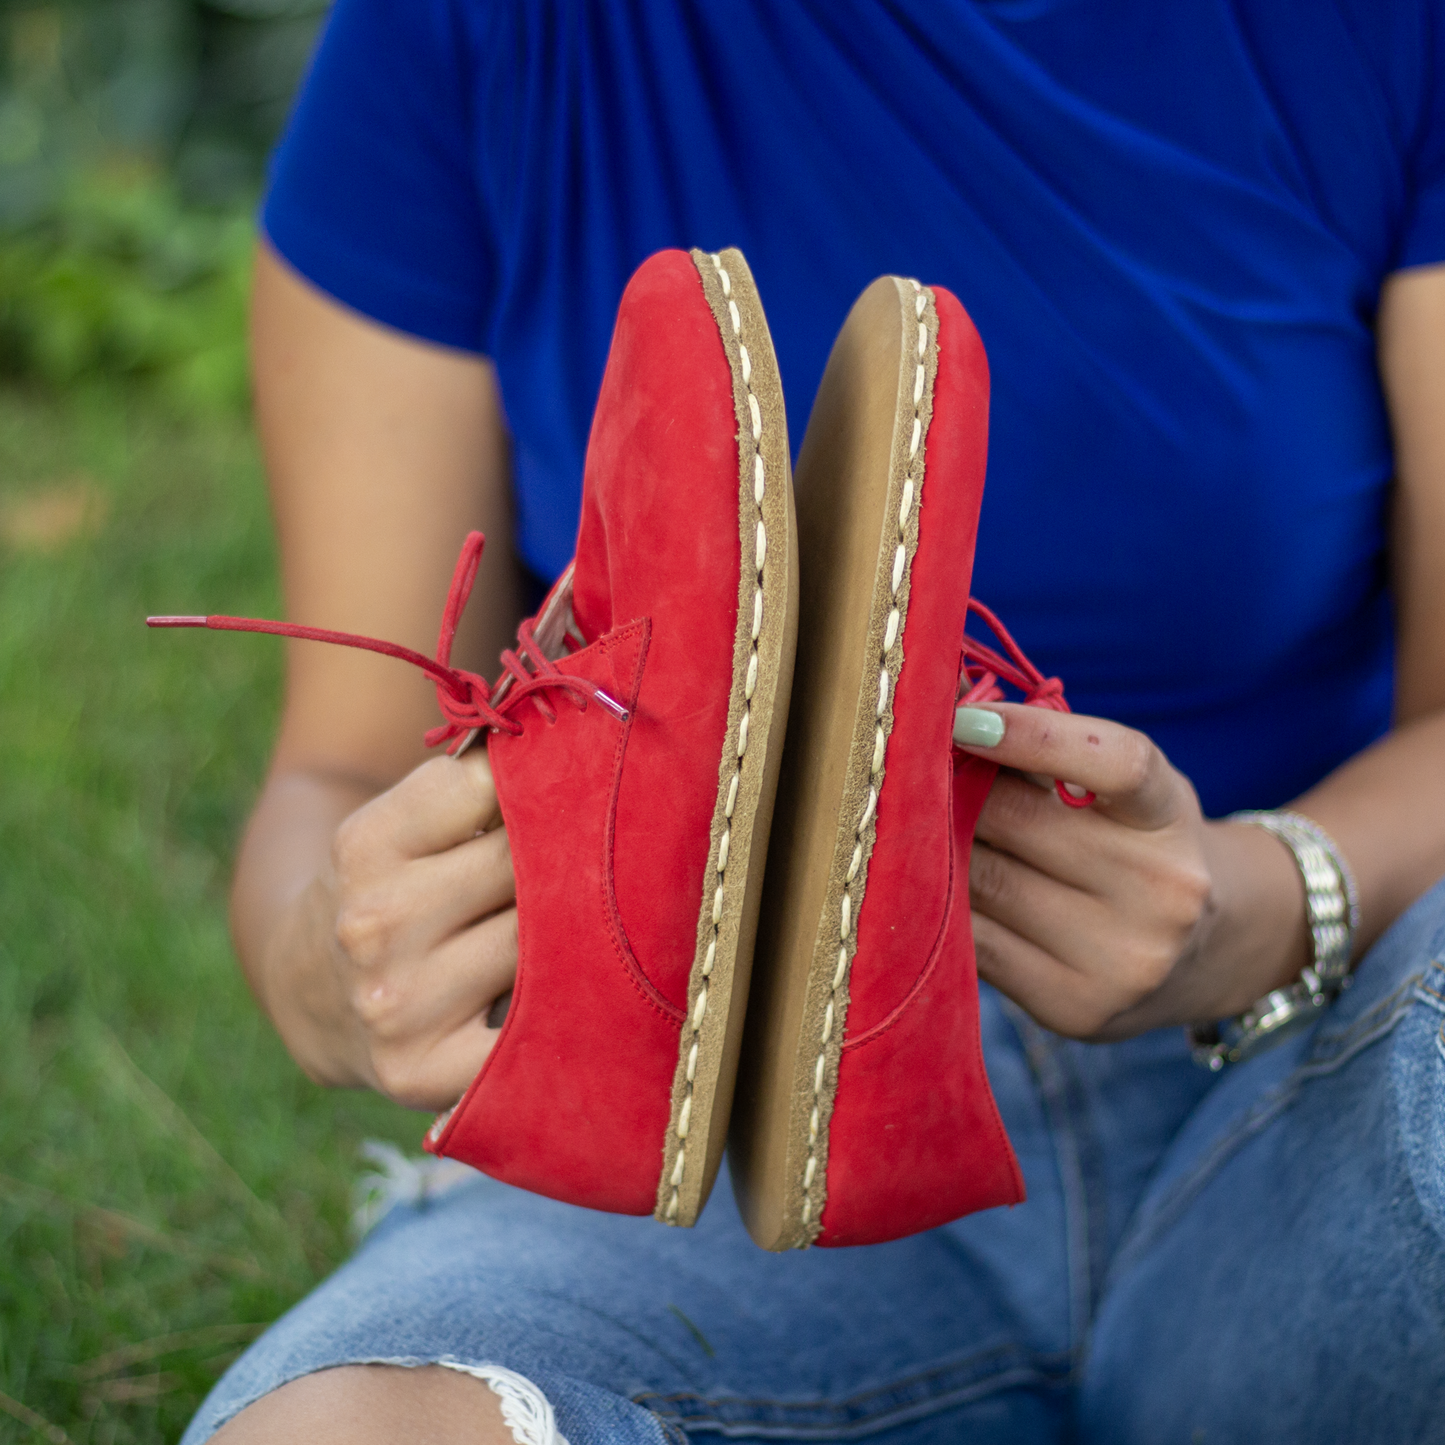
[
  {"x": 638, "y": 827},
  {"x": 863, "y": 1111}
]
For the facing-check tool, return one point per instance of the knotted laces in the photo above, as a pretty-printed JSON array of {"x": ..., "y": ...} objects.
[
  {"x": 984, "y": 669},
  {"x": 467, "y": 701}
]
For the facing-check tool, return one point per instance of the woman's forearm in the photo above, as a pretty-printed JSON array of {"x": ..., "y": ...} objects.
[
  {"x": 1386, "y": 807},
  {"x": 382, "y": 452}
]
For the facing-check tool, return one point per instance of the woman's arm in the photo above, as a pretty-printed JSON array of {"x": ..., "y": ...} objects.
[
  {"x": 376, "y": 939},
  {"x": 1137, "y": 912}
]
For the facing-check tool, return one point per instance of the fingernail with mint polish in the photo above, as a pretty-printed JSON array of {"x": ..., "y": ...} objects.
[{"x": 977, "y": 727}]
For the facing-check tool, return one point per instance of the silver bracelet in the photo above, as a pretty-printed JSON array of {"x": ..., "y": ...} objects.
[{"x": 1332, "y": 907}]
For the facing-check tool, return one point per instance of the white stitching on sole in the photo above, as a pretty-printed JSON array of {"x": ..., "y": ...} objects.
[
  {"x": 699, "y": 1012},
  {"x": 887, "y": 683},
  {"x": 526, "y": 1411}
]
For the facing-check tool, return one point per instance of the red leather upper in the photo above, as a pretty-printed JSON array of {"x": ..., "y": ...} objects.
[
  {"x": 609, "y": 822},
  {"x": 915, "y": 1139}
]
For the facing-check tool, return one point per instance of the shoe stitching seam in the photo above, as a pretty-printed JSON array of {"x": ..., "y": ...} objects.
[
  {"x": 867, "y": 820},
  {"x": 651, "y": 995},
  {"x": 694, "y": 1018},
  {"x": 442, "y": 1128},
  {"x": 891, "y": 1019}
]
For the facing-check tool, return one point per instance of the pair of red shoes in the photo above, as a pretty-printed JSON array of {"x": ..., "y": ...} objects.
[{"x": 668, "y": 777}]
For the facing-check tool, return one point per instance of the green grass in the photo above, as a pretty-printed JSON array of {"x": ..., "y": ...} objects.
[{"x": 169, "y": 1181}]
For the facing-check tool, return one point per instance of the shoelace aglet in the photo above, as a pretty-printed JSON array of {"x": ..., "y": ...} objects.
[
  {"x": 177, "y": 621},
  {"x": 612, "y": 705}
]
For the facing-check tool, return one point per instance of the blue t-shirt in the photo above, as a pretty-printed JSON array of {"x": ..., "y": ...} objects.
[{"x": 1169, "y": 221}]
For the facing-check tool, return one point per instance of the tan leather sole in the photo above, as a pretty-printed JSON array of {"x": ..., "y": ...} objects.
[
  {"x": 857, "y": 478},
  {"x": 762, "y": 674}
]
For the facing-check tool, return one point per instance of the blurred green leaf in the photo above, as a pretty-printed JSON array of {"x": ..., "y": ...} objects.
[
  {"x": 122, "y": 279},
  {"x": 200, "y": 87},
  {"x": 132, "y": 139}
]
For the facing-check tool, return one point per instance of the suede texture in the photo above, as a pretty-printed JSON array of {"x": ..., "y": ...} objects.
[
  {"x": 611, "y": 823},
  {"x": 901, "y": 917},
  {"x": 573, "y": 1100},
  {"x": 659, "y": 538},
  {"x": 826, "y": 1007},
  {"x": 915, "y": 1139}
]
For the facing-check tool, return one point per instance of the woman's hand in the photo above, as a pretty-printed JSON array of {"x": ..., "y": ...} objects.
[
  {"x": 411, "y": 938},
  {"x": 373, "y": 924},
  {"x": 1132, "y": 913}
]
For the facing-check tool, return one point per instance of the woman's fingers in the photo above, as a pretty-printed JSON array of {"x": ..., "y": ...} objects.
[
  {"x": 1081, "y": 847},
  {"x": 416, "y": 904},
  {"x": 1049, "y": 914},
  {"x": 1025, "y": 819},
  {"x": 1042, "y": 986},
  {"x": 436, "y": 1076},
  {"x": 453, "y": 889},
  {"x": 1059, "y": 997},
  {"x": 1132, "y": 779},
  {"x": 1077, "y": 930},
  {"x": 1084, "y": 916},
  {"x": 413, "y": 1015},
  {"x": 474, "y": 969},
  {"x": 417, "y": 997},
  {"x": 425, "y": 927},
  {"x": 438, "y": 805}
]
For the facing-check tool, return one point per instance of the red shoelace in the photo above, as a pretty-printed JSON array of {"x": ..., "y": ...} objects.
[
  {"x": 466, "y": 700},
  {"x": 984, "y": 669}
]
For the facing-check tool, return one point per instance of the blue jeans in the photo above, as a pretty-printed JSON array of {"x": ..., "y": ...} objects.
[{"x": 1255, "y": 1257}]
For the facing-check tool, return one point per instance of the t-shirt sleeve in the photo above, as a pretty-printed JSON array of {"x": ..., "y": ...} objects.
[
  {"x": 1423, "y": 233},
  {"x": 374, "y": 194}
]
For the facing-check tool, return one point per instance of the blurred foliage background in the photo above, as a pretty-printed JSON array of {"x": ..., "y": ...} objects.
[
  {"x": 169, "y": 1182},
  {"x": 133, "y": 137}
]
